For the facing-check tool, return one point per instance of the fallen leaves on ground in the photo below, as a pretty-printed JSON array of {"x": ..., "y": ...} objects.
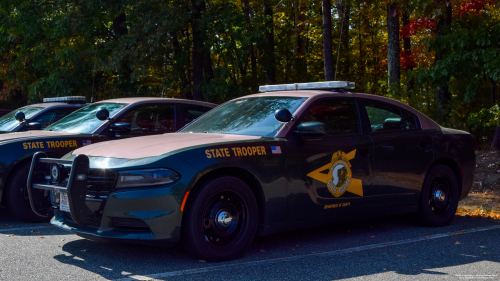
[
  {"x": 401, "y": 256},
  {"x": 457, "y": 243},
  {"x": 478, "y": 213}
]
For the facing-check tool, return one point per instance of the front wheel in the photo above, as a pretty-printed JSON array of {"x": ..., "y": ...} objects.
[
  {"x": 439, "y": 197},
  {"x": 220, "y": 219},
  {"x": 17, "y": 200}
]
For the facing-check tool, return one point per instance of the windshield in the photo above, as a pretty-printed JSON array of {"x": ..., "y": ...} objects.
[
  {"x": 9, "y": 122},
  {"x": 83, "y": 120},
  {"x": 247, "y": 116}
]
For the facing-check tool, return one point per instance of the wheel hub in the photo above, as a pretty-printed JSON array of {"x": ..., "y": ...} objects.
[
  {"x": 223, "y": 219},
  {"x": 439, "y": 196}
]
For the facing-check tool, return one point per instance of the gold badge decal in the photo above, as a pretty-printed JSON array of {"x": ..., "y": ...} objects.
[{"x": 339, "y": 178}]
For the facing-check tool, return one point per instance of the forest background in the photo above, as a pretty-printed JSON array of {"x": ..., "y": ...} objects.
[{"x": 441, "y": 57}]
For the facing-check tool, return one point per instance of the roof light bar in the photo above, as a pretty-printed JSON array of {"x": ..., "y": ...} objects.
[
  {"x": 308, "y": 86},
  {"x": 65, "y": 99}
]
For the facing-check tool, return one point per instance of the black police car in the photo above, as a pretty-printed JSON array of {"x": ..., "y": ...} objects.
[
  {"x": 41, "y": 115},
  {"x": 101, "y": 121}
]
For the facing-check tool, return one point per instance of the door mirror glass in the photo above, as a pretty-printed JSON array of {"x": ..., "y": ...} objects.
[
  {"x": 20, "y": 116},
  {"x": 34, "y": 126},
  {"x": 311, "y": 128},
  {"x": 102, "y": 114},
  {"x": 283, "y": 115},
  {"x": 122, "y": 127}
]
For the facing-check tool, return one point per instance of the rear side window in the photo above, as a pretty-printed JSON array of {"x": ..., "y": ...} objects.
[
  {"x": 410, "y": 120},
  {"x": 384, "y": 116},
  {"x": 339, "y": 116},
  {"x": 191, "y": 112}
]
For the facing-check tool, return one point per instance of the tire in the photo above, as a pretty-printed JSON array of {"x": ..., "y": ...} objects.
[
  {"x": 220, "y": 219},
  {"x": 439, "y": 197},
  {"x": 17, "y": 200}
]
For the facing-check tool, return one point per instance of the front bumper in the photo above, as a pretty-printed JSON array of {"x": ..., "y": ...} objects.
[{"x": 140, "y": 215}]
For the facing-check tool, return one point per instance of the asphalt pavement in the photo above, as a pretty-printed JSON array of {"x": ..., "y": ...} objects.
[{"x": 394, "y": 248}]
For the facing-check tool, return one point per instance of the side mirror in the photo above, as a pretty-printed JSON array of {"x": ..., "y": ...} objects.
[
  {"x": 283, "y": 115},
  {"x": 102, "y": 114},
  {"x": 311, "y": 128},
  {"x": 20, "y": 116},
  {"x": 33, "y": 126},
  {"x": 123, "y": 128}
]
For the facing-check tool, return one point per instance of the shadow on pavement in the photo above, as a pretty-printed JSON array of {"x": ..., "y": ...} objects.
[{"x": 119, "y": 260}]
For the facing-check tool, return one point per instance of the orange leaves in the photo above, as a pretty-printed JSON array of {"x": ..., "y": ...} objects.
[{"x": 478, "y": 213}]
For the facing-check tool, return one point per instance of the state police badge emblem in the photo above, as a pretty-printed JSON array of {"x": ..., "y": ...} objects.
[
  {"x": 340, "y": 174},
  {"x": 339, "y": 179}
]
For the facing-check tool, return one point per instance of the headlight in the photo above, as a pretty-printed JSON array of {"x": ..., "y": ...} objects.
[{"x": 148, "y": 177}]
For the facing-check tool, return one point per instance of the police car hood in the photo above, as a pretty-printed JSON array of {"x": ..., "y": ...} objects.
[
  {"x": 31, "y": 134},
  {"x": 133, "y": 148}
]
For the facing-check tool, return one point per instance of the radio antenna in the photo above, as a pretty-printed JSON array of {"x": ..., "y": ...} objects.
[{"x": 93, "y": 75}]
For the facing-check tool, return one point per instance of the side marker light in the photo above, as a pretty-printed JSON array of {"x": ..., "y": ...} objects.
[{"x": 184, "y": 201}]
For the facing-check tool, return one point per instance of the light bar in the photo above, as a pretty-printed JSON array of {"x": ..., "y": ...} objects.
[
  {"x": 65, "y": 99},
  {"x": 308, "y": 86}
]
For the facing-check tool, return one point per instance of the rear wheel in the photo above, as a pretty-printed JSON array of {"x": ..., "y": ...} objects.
[
  {"x": 220, "y": 220},
  {"x": 17, "y": 200},
  {"x": 439, "y": 197}
]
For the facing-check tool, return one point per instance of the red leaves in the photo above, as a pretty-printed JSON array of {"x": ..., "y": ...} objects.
[
  {"x": 475, "y": 6},
  {"x": 415, "y": 26},
  {"x": 407, "y": 61}
]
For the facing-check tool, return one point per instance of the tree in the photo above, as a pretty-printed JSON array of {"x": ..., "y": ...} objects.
[
  {"x": 393, "y": 55},
  {"x": 327, "y": 40}
]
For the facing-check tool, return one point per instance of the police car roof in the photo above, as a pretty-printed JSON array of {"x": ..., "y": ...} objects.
[
  {"x": 153, "y": 99},
  {"x": 54, "y": 104}
]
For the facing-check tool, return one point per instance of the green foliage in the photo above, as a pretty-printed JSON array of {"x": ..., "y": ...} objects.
[
  {"x": 486, "y": 117},
  {"x": 109, "y": 49}
]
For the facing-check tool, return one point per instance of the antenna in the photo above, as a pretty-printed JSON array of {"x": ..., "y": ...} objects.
[{"x": 93, "y": 75}]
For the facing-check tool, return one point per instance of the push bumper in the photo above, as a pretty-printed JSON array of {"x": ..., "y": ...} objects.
[{"x": 145, "y": 215}]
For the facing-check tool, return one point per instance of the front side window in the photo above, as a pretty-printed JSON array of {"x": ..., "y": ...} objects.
[
  {"x": 52, "y": 116},
  {"x": 246, "y": 116},
  {"x": 84, "y": 120},
  {"x": 339, "y": 116},
  {"x": 150, "y": 119},
  {"x": 9, "y": 122},
  {"x": 383, "y": 116}
]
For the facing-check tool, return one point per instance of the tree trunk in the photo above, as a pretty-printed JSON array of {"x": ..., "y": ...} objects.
[
  {"x": 179, "y": 67},
  {"x": 393, "y": 61},
  {"x": 197, "y": 51},
  {"x": 443, "y": 96},
  {"x": 327, "y": 40},
  {"x": 344, "y": 11},
  {"x": 495, "y": 143},
  {"x": 300, "y": 66},
  {"x": 126, "y": 85},
  {"x": 253, "y": 60},
  {"x": 493, "y": 90},
  {"x": 269, "y": 50},
  {"x": 407, "y": 50}
]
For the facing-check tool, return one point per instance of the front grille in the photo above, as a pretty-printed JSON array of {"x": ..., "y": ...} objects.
[
  {"x": 93, "y": 221},
  {"x": 100, "y": 180},
  {"x": 130, "y": 224}
]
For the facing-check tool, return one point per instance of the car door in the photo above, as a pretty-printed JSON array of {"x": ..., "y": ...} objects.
[
  {"x": 402, "y": 152},
  {"x": 329, "y": 173}
]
